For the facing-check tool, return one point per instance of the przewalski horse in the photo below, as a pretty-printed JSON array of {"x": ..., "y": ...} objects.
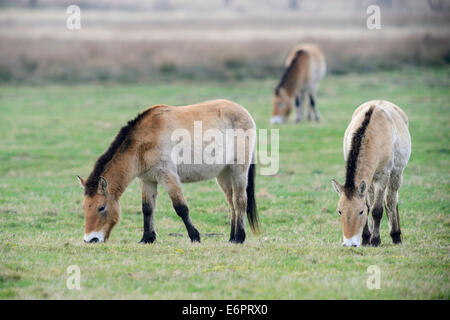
[
  {"x": 144, "y": 149},
  {"x": 377, "y": 146},
  {"x": 305, "y": 67}
]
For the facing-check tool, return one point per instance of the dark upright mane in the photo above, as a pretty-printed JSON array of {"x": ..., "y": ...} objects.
[
  {"x": 120, "y": 143},
  {"x": 288, "y": 71},
  {"x": 352, "y": 159}
]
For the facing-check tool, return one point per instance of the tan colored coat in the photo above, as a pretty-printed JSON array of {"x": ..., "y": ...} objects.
[
  {"x": 305, "y": 67},
  {"x": 377, "y": 147},
  {"x": 167, "y": 146}
]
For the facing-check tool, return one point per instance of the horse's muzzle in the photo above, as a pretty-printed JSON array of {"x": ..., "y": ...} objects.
[
  {"x": 94, "y": 237},
  {"x": 354, "y": 241}
]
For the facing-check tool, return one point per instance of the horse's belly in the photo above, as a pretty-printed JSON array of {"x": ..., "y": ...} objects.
[{"x": 198, "y": 172}]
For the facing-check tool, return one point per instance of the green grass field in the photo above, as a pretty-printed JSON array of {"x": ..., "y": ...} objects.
[{"x": 50, "y": 134}]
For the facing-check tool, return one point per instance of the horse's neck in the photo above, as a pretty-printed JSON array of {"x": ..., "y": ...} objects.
[{"x": 119, "y": 173}]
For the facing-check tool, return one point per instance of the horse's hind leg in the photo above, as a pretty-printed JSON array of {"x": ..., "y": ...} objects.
[
  {"x": 149, "y": 193},
  {"x": 391, "y": 202},
  {"x": 224, "y": 181},
  {"x": 239, "y": 185},
  {"x": 172, "y": 184}
]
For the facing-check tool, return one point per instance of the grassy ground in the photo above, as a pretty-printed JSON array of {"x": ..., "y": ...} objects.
[{"x": 50, "y": 134}]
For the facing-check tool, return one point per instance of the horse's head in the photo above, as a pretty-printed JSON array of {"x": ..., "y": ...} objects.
[
  {"x": 101, "y": 211},
  {"x": 281, "y": 106},
  {"x": 353, "y": 211}
]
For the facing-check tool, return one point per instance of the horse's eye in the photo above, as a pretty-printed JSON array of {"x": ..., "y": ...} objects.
[
  {"x": 362, "y": 211},
  {"x": 340, "y": 213},
  {"x": 101, "y": 209}
]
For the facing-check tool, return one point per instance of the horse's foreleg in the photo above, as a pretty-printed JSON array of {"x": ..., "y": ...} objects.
[
  {"x": 366, "y": 231},
  {"x": 377, "y": 211},
  {"x": 172, "y": 184},
  {"x": 239, "y": 184},
  {"x": 391, "y": 202},
  {"x": 312, "y": 103},
  {"x": 366, "y": 234},
  {"x": 299, "y": 106},
  {"x": 149, "y": 193}
]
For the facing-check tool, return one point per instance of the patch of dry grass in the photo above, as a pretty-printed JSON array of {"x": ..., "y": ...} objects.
[{"x": 149, "y": 46}]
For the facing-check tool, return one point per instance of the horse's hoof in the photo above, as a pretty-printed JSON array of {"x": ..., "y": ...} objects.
[
  {"x": 366, "y": 240},
  {"x": 375, "y": 241},
  {"x": 240, "y": 237},
  {"x": 195, "y": 236},
  {"x": 148, "y": 238},
  {"x": 396, "y": 237}
]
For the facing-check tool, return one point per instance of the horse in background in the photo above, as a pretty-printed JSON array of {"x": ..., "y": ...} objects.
[{"x": 305, "y": 67}]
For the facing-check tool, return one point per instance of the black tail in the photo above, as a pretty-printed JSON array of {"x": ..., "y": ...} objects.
[{"x": 252, "y": 212}]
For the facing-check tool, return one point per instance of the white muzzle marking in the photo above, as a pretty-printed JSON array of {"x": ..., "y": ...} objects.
[
  {"x": 276, "y": 119},
  {"x": 94, "y": 234},
  {"x": 354, "y": 241}
]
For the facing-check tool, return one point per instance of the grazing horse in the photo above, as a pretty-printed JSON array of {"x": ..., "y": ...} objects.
[
  {"x": 144, "y": 149},
  {"x": 305, "y": 67},
  {"x": 377, "y": 146}
]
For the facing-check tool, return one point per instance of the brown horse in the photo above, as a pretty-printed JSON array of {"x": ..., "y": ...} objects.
[
  {"x": 377, "y": 146},
  {"x": 305, "y": 67},
  {"x": 144, "y": 149}
]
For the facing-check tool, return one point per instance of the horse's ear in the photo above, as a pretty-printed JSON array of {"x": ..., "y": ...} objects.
[
  {"x": 337, "y": 186},
  {"x": 362, "y": 188},
  {"x": 82, "y": 181},
  {"x": 102, "y": 185}
]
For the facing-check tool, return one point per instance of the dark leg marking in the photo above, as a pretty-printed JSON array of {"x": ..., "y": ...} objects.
[
  {"x": 377, "y": 214},
  {"x": 366, "y": 234},
  {"x": 397, "y": 235},
  {"x": 298, "y": 105},
  {"x": 183, "y": 212},
  {"x": 232, "y": 232},
  {"x": 311, "y": 100},
  {"x": 313, "y": 107},
  {"x": 239, "y": 235},
  {"x": 149, "y": 235}
]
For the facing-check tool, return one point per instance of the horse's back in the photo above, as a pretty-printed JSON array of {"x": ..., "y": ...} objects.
[
  {"x": 388, "y": 131},
  {"x": 384, "y": 111},
  {"x": 316, "y": 61},
  {"x": 219, "y": 114},
  {"x": 401, "y": 139},
  {"x": 313, "y": 50}
]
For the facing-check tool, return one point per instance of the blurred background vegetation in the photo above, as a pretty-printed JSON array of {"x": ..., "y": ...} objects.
[{"x": 131, "y": 41}]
